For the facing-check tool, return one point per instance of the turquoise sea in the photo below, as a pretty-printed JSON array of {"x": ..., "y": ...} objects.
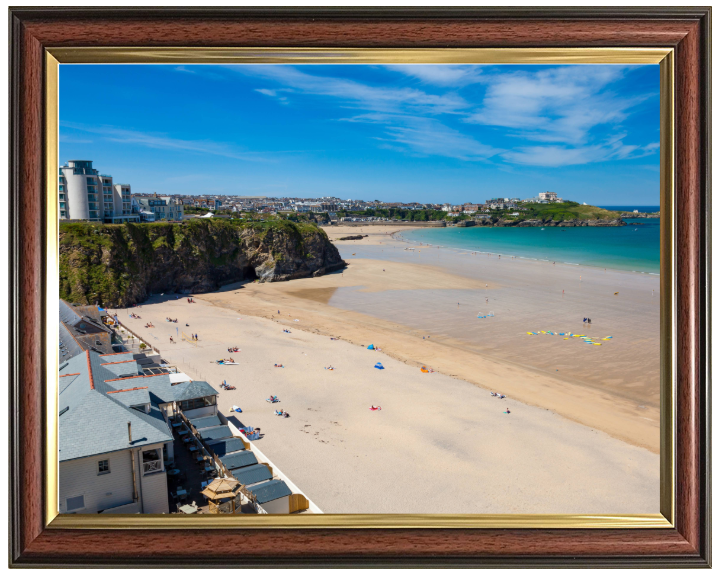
[{"x": 633, "y": 247}]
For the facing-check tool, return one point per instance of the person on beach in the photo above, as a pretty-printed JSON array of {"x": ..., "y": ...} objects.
[{"x": 584, "y": 320}]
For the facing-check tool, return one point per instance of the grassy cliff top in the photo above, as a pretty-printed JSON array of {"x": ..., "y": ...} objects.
[
  {"x": 568, "y": 211},
  {"x": 80, "y": 229}
]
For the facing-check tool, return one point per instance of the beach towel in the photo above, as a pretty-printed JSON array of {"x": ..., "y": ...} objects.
[
  {"x": 371, "y": 347},
  {"x": 236, "y": 408},
  {"x": 379, "y": 366}
]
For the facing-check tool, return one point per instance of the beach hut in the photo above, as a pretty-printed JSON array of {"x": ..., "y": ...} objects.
[
  {"x": 215, "y": 433},
  {"x": 205, "y": 422},
  {"x": 253, "y": 474},
  {"x": 227, "y": 446},
  {"x": 238, "y": 460},
  {"x": 276, "y": 498}
]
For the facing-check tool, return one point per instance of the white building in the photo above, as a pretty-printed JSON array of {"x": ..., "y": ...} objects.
[
  {"x": 85, "y": 194},
  {"x": 115, "y": 441},
  {"x": 549, "y": 197}
]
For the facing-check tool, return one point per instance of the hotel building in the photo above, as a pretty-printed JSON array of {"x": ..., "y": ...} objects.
[{"x": 85, "y": 194}]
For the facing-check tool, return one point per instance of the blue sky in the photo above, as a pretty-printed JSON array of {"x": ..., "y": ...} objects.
[{"x": 423, "y": 133}]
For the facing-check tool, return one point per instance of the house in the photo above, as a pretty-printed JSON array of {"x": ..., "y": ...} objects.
[
  {"x": 549, "y": 197},
  {"x": 115, "y": 441}
]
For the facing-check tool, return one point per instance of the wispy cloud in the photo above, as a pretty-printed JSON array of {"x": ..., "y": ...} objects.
[
  {"x": 277, "y": 94},
  {"x": 165, "y": 142},
  {"x": 426, "y": 136},
  {"x": 357, "y": 94},
  {"x": 561, "y": 104},
  {"x": 65, "y": 139},
  {"x": 440, "y": 74},
  {"x": 200, "y": 70},
  {"x": 555, "y": 156}
]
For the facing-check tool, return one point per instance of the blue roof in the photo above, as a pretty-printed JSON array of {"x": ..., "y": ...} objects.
[
  {"x": 94, "y": 404},
  {"x": 252, "y": 474},
  {"x": 215, "y": 432},
  {"x": 206, "y": 421},
  {"x": 269, "y": 491},
  {"x": 95, "y": 422},
  {"x": 239, "y": 459},
  {"x": 223, "y": 447}
]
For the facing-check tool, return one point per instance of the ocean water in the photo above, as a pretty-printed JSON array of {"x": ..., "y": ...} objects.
[
  {"x": 631, "y": 208},
  {"x": 634, "y": 247}
]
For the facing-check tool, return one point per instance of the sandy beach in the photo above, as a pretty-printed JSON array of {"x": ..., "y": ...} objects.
[{"x": 583, "y": 439}]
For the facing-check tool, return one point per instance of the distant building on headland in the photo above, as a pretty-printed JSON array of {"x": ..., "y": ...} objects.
[
  {"x": 549, "y": 197},
  {"x": 85, "y": 194}
]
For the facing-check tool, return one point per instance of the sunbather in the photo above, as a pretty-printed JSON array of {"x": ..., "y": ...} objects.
[{"x": 374, "y": 408}]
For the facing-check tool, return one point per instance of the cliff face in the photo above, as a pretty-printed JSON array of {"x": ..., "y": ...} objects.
[{"x": 121, "y": 265}]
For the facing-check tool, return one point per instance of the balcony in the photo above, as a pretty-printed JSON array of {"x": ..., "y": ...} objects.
[{"x": 152, "y": 466}]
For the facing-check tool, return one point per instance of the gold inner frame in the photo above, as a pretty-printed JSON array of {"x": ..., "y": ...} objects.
[{"x": 181, "y": 55}]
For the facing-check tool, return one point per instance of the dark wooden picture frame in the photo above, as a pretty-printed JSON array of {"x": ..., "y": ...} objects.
[{"x": 686, "y": 30}]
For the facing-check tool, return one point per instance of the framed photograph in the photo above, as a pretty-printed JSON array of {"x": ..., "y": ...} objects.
[{"x": 362, "y": 287}]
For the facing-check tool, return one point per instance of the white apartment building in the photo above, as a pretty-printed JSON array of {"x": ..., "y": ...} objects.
[
  {"x": 549, "y": 197},
  {"x": 85, "y": 194}
]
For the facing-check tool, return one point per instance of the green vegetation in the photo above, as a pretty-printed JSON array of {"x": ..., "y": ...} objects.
[
  {"x": 117, "y": 264},
  {"x": 567, "y": 211},
  {"x": 400, "y": 214}
]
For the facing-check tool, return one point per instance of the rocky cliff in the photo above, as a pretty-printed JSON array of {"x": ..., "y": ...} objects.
[{"x": 121, "y": 265}]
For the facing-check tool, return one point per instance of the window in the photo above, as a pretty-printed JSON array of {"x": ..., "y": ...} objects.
[
  {"x": 103, "y": 466},
  {"x": 91, "y": 180},
  {"x": 75, "y": 503},
  {"x": 62, "y": 188},
  {"x": 197, "y": 403}
]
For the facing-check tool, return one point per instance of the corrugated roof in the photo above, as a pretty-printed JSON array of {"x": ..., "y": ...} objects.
[
  {"x": 239, "y": 459},
  {"x": 227, "y": 446},
  {"x": 269, "y": 491},
  {"x": 253, "y": 474}
]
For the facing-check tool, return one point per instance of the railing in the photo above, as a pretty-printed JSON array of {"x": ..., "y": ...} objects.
[{"x": 152, "y": 466}]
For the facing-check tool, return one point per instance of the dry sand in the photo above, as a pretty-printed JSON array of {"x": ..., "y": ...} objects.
[
  {"x": 376, "y": 233},
  {"x": 439, "y": 444},
  {"x": 613, "y": 387}
]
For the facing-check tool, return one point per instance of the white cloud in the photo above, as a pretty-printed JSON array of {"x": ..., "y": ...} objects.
[
  {"x": 440, "y": 74},
  {"x": 426, "y": 137},
  {"x": 555, "y": 105},
  {"x": 165, "y": 142},
  {"x": 274, "y": 94},
  {"x": 555, "y": 156},
  {"x": 357, "y": 94}
]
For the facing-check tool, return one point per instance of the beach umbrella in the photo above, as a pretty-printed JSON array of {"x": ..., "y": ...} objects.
[
  {"x": 379, "y": 366},
  {"x": 221, "y": 488}
]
